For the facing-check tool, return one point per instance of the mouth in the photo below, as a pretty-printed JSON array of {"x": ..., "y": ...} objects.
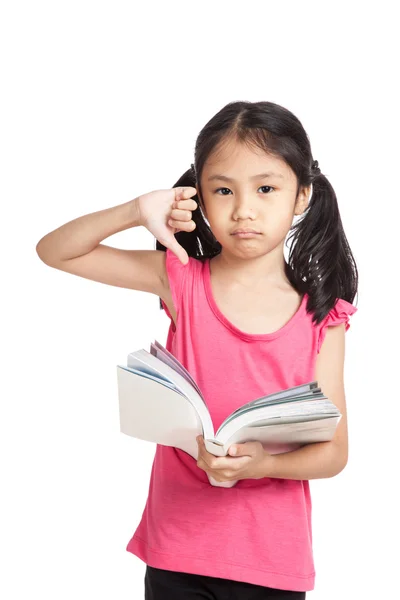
[{"x": 246, "y": 233}]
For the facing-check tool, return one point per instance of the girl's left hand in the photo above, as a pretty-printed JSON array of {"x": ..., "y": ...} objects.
[{"x": 249, "y": 462}]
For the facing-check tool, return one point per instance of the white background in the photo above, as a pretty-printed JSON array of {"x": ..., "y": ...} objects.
[{"x": 100, "y": 102}]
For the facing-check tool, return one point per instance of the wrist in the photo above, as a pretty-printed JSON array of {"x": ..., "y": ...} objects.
[
  {"x": 268, "y": 465},
  {"x": 135, "y": 215}
]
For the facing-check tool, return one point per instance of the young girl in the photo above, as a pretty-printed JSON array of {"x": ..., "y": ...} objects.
[{"x": 245, "y": 323}]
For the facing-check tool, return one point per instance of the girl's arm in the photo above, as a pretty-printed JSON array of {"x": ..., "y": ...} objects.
[
  {"x": 74, "y": 247},
  {"x": 322, "y": 459}
]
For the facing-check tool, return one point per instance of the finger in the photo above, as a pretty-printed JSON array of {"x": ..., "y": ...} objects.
[
  {"x": 185, "y": 204},
  {"x": 183, "y": 225},
  {"x": 203, "y": 456},
  {"x": 184, "y": 192},
  {"x": 180, "y": 215}
]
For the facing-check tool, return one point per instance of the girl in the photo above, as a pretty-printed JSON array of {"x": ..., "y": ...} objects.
[{"x": 245, "y": 323}]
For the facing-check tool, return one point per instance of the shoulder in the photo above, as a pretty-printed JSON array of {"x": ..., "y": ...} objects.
[
  {"x": 338, "y": 315},
  {"x": 174, "y": 277},
  {"x": 341, "y": 312},
  {"x": 331, "y": 340}
]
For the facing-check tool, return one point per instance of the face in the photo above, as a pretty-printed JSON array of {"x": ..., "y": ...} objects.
[{"x": 236, "y": 195}]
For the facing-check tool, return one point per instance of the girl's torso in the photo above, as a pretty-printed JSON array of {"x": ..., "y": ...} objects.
[
  {"x": 187, "y": 524},
  {"x": 255, "y": 311}
]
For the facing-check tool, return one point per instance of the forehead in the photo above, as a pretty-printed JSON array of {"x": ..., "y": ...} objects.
[{"x": 241, "y": 160}]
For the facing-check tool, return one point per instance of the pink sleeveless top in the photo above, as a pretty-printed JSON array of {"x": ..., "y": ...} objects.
[{"x": 260, "y": 530}]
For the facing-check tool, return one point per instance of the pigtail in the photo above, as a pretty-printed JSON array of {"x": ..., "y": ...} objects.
[{"x": 320, "y": 261}]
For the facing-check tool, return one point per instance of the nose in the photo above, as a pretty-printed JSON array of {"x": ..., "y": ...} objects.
[{"x": 244, "y": 208}]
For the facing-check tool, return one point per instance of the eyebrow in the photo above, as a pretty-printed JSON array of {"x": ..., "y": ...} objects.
[{"x": 258, "y": 176}]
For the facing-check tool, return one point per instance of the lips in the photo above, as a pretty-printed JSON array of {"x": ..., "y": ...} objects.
[{"x": 244, "y": 231}]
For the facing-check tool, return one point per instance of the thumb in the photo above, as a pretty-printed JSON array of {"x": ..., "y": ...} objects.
[
  {"x": 177, "y": 249},
  {"x": 241, "y": 449},
  {"x": 169, "y": 241},
  {"x": 234, "y": 450}
]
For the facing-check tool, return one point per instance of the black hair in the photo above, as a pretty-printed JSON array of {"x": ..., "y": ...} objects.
[{"x": 320, "y": 261}]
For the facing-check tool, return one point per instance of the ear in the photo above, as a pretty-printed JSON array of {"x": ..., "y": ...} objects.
[{"x": 302, "y": 201}]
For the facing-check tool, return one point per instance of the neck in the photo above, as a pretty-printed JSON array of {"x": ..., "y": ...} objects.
[{"x": 267, "y": 269}]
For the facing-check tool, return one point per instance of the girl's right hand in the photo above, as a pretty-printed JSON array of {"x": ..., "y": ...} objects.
[{"x": 165, "y": 212}]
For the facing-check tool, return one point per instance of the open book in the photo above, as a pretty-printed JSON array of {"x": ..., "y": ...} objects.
[{"x": 160, "y": 402}]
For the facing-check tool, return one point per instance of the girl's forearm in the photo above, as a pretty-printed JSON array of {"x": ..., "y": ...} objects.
[
  {"x": 81, "y": 235},
  {"x": 313, "y": 461}
]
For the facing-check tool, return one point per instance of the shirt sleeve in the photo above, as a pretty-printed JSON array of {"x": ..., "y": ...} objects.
[
  {"x": 340, "y": 313},
  {"x": 176, "y": 273}
]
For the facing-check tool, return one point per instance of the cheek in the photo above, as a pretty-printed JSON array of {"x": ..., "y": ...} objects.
[
  {"x": 279, "y": 221},
  {"x": 218, "y": 217}
]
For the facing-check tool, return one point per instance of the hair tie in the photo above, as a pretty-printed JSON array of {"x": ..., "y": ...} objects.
[
  {"x": 315, "y": 169},
  {"x": 193, "y": 169}
]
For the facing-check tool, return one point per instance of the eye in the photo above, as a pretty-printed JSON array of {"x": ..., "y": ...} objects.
[
  {"x": 218, "y": 189},
  {"x": 224, "y": 188}
]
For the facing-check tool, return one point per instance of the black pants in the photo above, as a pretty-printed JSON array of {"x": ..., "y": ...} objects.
[{"x": 160, "y": 584}]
